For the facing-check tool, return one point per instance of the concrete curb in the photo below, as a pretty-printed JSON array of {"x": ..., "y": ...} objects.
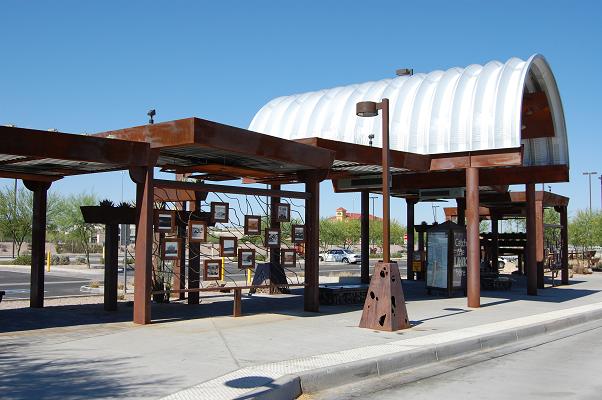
[{"x": 292, "y": 386}]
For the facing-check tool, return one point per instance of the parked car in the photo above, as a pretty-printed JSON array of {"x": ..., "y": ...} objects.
[{"x": 340, "y": 255}]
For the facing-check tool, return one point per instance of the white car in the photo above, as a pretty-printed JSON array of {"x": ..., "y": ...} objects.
[{"x": 340, "y": 255}]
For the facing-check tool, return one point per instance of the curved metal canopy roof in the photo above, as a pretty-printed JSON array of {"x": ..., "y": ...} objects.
[{"x": 494, "y": 106}]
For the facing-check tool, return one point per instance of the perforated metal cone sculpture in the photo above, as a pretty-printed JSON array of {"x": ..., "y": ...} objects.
[{"x": 385, "y": 306}]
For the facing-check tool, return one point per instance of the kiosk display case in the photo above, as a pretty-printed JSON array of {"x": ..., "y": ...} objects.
[{"x": 446, "y": 258}]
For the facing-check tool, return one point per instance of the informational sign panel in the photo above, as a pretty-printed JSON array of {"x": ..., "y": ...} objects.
[
  {"x": 459, "y": 252},
  {"x": 436, "y": 272}
]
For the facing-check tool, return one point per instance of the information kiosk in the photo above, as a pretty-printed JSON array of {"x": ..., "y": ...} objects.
[{"x": 446, "y": 258}]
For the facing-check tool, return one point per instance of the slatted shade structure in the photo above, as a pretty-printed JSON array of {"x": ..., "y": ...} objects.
[
  {"x": 216, "y": 151},
  {"x": 47, "y": 156}
]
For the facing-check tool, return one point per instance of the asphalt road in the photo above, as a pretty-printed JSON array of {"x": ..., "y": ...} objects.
[
  {"x": 567, "y": 367},
  {"x": 16, "y": 284}
]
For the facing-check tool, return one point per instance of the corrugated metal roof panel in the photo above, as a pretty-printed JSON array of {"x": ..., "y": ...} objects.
[{"x": 461, "y": 109}]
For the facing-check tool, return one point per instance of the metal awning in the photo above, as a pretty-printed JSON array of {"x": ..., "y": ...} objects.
[
  {"x": 216, "y": 151},
  {"x": 38, "y": 155}
]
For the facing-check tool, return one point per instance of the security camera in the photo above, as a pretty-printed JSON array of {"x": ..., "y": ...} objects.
[{"x": 151, "y": 114}]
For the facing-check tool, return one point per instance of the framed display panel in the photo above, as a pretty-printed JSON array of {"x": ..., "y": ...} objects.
[
  {"x": 272, "y": 237},
  {"x": 197, "y": 231},
  {"x": 288, "y": 257},
  {"x": 246, "y": 258},
  {"x": 171, "y": 248},
  {"x": 446, "y": 258},
  {"x": 212, "y": 270},
  {"x": 282, "y": 212},
  {"x": 165, "y": 221},
  {"x": 252, "y": 225},
  {"x": 298, "y": 234},
  {"x": 227, "y": 246},
  {"x": 219, "y": 211}
]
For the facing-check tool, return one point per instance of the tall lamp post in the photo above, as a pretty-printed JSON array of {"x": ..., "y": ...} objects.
[
  {"x": 589, "y": 176},
  {"x": 370, "y": 109}
]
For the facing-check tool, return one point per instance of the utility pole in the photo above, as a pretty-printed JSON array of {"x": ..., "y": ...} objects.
[
  {"x": 589, "y": 176},
  {"x": 373, "y": 198}
]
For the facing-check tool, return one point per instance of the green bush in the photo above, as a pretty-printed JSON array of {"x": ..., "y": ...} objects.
[
  {"x": 23, "y": 259},
  {"x": 59, "y": 260}
]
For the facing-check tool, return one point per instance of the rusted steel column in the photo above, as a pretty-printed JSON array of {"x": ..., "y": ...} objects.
[
  {"x": 539, "y": 243},
  {"x": 179, "y": 276},
  {"x": 274, "y": 224},
  {"x": 312, "y": 264},
  {"x": 38, "y": 241},
  {"x": 421, "y": 248},
  {"x": 386, "y": 183},
  {"x": 194, "y": 262},
  {"x": 111, "y": 263},
  {"x": 531, "y": 251},
  {"x": 365, "y": 232},
  {"x": 564, "y": 237},
  {"x": 144, "y": 247},
  {"x": 472, "y": 238},
  {"x": 461, "y": 211},
  {"x": 494, "y": 243},
  {"x": 237, "y": 308},
  {"x": 410, "y": 229}
]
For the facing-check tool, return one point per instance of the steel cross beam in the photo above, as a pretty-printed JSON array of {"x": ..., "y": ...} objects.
[{"x": 204, "y": 187}]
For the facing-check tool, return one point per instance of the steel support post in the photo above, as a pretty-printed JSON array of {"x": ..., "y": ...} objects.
[
  {"x": 531, "y": 253},
  {"x": 565, "y": 245},
  {"x": 494, "y": 243},
  {"x": 410, "y": 245},
  {"x": 179, "y": 276},
  {"x": 111, "y": 264},
  {"x": 472, "y": 236},
  {"x": 38, "y": 241},
  {"x": 274, "y": 224},
  {"x": 386, "y": 182},
  {"x": 144, "y": 248},
  {"x": 539, "y": 242},
  {"x": 312, "y": 244},
  {"x": 365, "y": 240},
  {"x": 461, "y": 211},
  {"x": 194, "y": 262}
]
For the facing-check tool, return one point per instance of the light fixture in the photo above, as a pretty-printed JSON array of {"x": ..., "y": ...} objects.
[
  {"x": 366, "y": 109},
  {"x": 151, "y": 114},
  {"x": 404, "y": 72}
]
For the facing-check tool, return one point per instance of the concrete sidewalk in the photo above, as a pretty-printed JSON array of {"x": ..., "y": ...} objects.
[{"x": 75, "y": 352}]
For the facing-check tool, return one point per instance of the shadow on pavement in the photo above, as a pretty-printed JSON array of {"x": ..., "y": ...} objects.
[
  {"x": 216, "y": 305},
  {"x": 26, "y": 377}
]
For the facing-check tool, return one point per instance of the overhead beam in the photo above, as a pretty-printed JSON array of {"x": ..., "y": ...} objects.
[
  {"x": 72, "y": 147},
  {"x": 204, "y": 187},
  {"x": 478, "y": 159}
]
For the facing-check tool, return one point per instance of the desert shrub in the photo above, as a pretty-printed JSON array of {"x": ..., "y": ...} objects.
[{"x": 23, "y": 259}]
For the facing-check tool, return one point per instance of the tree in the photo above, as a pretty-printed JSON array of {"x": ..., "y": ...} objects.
[
  {"x": 15, "y": 219},
  {"x": 70, "y": 221},
  {"x": 581, "y": 230}
]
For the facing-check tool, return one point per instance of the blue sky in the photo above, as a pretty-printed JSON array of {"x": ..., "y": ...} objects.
[{"x": 93, "y": 66}]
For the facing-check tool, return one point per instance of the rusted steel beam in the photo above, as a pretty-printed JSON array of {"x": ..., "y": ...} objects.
[
  {"x": 539, "y": 245},
  {"x": 472, "y": 238},
  {"x": 64, "y": 146},
  {"x": 479, "y": 159},
  {"x": 178, "y": 195},
  {"x": 365, "y": 236},
  {"x": 564, "y": 237},
  {"x": 410, "y": 203},
  {"x": 29, "y": 177},
  {"x": 219, "y": 169},
  {"x": 38, "y": 241},
  {"x": 531, "y": 253},
  {"x": 367, "y": 155},
  {"x": 111, "y": 264},
  {"x": 204, "y": 187},
  {"x": 312, "y": 244},
  {"x": 487, "y": 177},
  {"x": 196, "y": 132},
  {"x": 144, "y": 243},
  {"x": 194, "y": 262}
]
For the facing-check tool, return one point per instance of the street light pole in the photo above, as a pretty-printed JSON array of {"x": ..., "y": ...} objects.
[
  {"x": 373, "y": 198},
  {"x": 370, "y": 109},
  {"x": 589, "y": 177}
]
